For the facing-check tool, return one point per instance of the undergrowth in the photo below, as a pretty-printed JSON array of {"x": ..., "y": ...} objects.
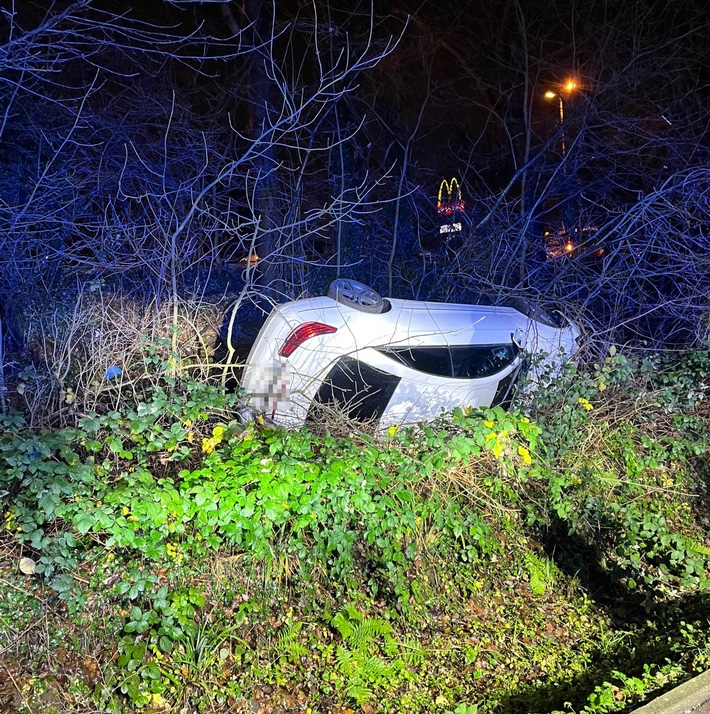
[{"x": 181, "y": 559}]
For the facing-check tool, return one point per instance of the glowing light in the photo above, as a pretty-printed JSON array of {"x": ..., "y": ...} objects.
[
  {"x": 453, "y": 228},
  {"x": 249, "y": 261},
  {"x": 568, "y": 87},
  {"x": 569, "y": 246},
  {"x": 449, "y": 200}
]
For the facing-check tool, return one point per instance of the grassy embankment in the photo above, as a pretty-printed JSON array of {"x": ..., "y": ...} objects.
[{"x": 160, "y": 556}]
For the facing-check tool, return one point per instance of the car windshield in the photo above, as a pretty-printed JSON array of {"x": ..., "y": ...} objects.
[{"x": 456, "y": 361}]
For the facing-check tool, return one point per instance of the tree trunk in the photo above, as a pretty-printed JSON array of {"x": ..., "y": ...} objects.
[{"x": 260, "y": 107}]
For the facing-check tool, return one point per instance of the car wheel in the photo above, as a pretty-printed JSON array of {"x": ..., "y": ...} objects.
[{"x": 357, "y": 295}]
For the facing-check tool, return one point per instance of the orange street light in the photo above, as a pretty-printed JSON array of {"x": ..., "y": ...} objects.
[{"x": 568, "y": 87}]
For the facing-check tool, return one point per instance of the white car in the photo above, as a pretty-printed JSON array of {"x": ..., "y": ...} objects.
[{"x": 391, "y": 362}]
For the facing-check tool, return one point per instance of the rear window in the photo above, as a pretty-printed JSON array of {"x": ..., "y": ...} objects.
[{"x": 457, "y": 361}]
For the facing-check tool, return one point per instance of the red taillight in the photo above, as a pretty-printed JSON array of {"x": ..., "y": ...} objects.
[{"x": 302, "y": 333}]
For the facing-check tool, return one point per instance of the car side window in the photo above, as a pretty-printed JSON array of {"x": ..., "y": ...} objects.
[
  {"x": 476, "y": 361},
  {"x": 430, "y": 360},
  {"x": 457, "y": 361}
]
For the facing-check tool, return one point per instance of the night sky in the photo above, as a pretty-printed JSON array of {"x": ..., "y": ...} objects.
[{"x": 325, "y": 131}]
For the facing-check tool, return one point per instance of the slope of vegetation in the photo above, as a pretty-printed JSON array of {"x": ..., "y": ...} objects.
[{"x": 160, "y": 556}]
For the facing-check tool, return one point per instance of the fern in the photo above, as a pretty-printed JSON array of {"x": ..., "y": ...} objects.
[
  {"x": 289, "y": 645},
  {"x": 359, "y": 692},
  {"x": 412, "y": 652},
  {"x": 374, "y": 669},
  {"x": 367, "y": 630},
  {"x": 359, "y": 631},
  {"x": 696, "y": 548},
  {"x": 343, "y": 625},
  {"x": 539, "y": 573},
  {"x": 360, "y": 658},
  {"x": 353, "y": 613},
  {"x": 347, "y": 662},
  {"x": 391, "y": 646}
]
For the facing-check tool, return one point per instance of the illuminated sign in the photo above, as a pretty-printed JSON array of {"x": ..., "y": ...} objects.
[
  {"x": 449, "y": 200},
  {"x": 450, "y": 228}
]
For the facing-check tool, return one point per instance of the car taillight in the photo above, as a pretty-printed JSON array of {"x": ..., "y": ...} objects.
[{"x": 302, "y": 333}]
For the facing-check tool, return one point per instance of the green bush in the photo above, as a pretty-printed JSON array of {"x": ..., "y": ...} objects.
[{"x": 610, "y": 456}]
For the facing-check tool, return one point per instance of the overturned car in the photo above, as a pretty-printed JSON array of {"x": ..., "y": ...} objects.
[{"x": 388, "y": 361}]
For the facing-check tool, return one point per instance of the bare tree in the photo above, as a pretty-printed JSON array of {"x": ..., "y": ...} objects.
[
  {"x": 582, "y": 167},
  {"x": 151, "y": 185}
]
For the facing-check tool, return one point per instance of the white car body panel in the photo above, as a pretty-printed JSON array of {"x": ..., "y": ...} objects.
[{"x": 285, "y": 388}]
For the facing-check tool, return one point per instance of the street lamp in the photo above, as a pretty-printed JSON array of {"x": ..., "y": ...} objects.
[{"x": 566, "y": 89}]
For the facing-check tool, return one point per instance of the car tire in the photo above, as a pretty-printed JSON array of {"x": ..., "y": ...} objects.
[{"x": 357, "y": 296}]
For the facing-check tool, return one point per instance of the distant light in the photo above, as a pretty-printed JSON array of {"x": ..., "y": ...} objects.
[
  {"x": 570, "y": 85},
  {"x": 251, "y": 260},
  {"x": 450, "y": 199},
  {"x": 569, "y": 246},
  {"x": 453, "y": 228},
  {"x": 550, "y": 95}
]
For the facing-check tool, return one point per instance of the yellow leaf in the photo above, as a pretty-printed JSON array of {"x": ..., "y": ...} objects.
[
  {"x": 489, "y": 424},
  {"x": 527, "y": 460}
]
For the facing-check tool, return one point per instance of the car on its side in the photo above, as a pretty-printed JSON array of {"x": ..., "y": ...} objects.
[{"x": 391, "y": 362}]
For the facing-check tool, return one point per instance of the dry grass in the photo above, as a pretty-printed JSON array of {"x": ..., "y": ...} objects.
[{"x": 75, "y": 349}]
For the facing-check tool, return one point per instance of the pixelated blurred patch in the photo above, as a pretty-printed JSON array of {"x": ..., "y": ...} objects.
[{"x": 272, "y": 382}]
